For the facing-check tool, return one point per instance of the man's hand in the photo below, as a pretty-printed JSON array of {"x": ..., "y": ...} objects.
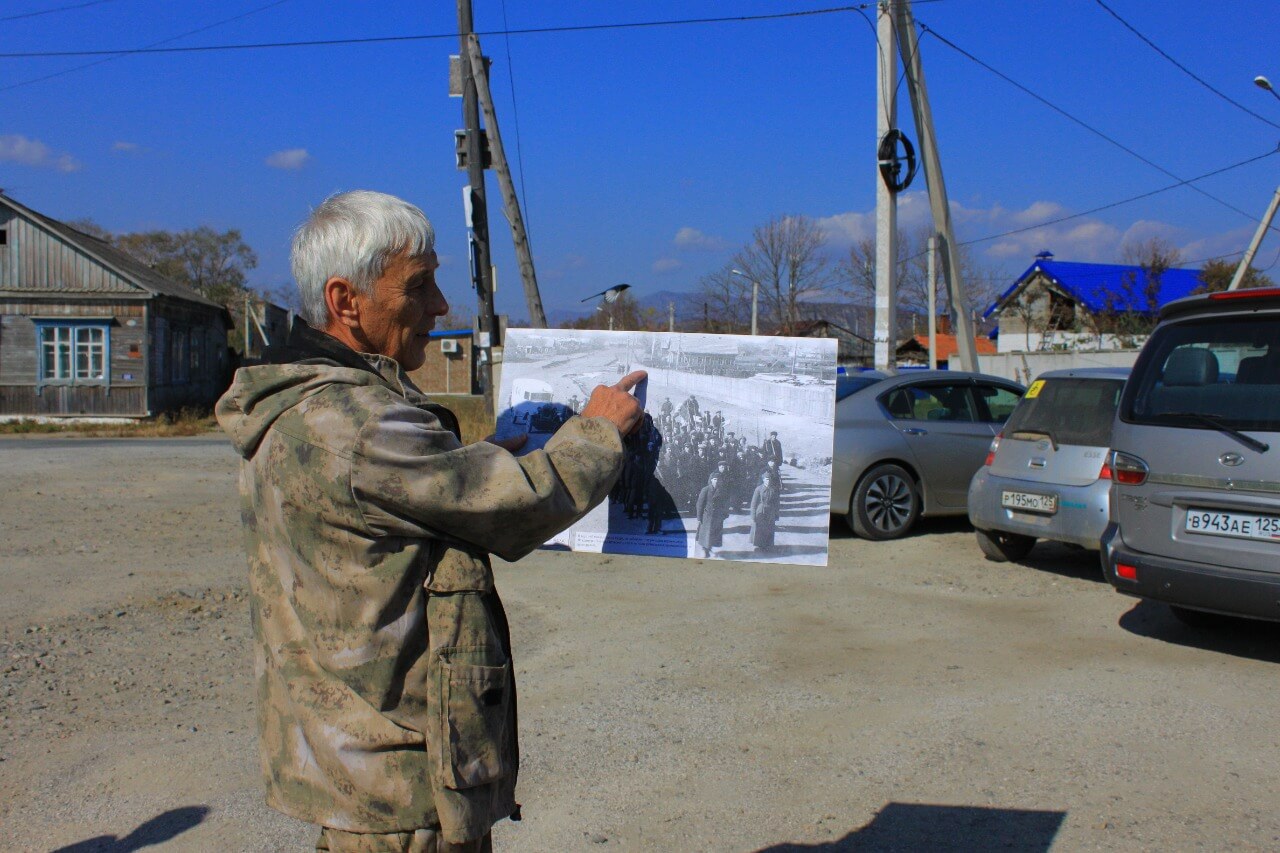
[{"x": 615, "y": 403}]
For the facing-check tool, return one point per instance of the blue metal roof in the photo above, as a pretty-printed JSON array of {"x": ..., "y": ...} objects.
[{"x": 1108, "y": 287}]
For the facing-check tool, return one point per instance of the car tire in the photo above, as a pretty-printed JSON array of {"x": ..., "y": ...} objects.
[
  {"x": 885, "y": 503},
  {"x": 1003, "y": 547}
]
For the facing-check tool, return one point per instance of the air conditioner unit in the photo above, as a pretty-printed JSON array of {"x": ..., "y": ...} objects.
[{"x": 449, "y": 345}]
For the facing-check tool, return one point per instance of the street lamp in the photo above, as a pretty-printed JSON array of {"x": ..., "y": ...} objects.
[
  {"x": 1265, "y": 223},
  {"x": 1263, "y": 83},
  {"x": 755, "y": 297}
]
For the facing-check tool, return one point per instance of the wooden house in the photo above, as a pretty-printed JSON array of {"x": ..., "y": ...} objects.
[{"x": 87, "y": 330}]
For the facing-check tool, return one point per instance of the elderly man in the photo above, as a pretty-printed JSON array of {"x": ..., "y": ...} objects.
[{"x": 386, "y": 703}]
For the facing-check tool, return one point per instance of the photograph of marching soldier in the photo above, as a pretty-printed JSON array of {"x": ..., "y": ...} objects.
[{"x": 733, "y": 458}]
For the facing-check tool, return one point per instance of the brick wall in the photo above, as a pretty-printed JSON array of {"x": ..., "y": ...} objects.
[{"x": 446, "y": 373}]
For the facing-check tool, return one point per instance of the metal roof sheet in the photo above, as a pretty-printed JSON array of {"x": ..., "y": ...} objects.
[{"x": 1107, "y": 287}]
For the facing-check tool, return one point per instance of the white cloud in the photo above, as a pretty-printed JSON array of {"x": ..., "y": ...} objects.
[
  {"x": 290, "y": 159},
  {"x": 126, "y": 147},
  {"x": 695, "y": 240},
  {"x": 666, "y": 265},
  {"x": 15, "y": 148}
]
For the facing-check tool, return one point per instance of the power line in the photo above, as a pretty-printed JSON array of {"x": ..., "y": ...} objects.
[
  {"x": 515, "y": 112},
  {"x": 929, "y": 31},
  {"x": 153, "y": 45},
  {"x": 56, "y": 9},
  {"x": 429, "y": 36},
  {"x": 1123, "y": 201},
  {"x": 1184, "y": 69}
]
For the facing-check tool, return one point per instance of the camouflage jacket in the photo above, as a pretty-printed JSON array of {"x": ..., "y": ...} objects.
[{"x": 386, "y": 700}]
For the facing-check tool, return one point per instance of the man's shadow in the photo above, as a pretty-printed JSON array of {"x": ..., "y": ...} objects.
[{"x": 158, "y": 830}]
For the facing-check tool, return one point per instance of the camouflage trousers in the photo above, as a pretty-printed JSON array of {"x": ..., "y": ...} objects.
[{"x": 421, "y": 841}]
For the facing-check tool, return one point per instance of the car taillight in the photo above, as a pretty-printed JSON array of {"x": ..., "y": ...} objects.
[
  {"x": 1105, "y": 473},
  {"x": 1126, "y": 571},
  {"x": 991, "y": 451},
  {"x": 1128, "y": 469}
]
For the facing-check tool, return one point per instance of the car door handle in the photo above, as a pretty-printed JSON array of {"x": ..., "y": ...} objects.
[{"x": 915, "y": 431}]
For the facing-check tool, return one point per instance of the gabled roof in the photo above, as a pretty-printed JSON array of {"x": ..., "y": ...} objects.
[
  {"x": 122, "y": 263},
  {"x": 947, "y": 346},
  {"x": 1106, "y": 287}
]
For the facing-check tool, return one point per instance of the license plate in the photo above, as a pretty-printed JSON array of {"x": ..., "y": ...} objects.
[
  {"x": 1239, "y": 525},
  {"x": 1029, "y": 502}
]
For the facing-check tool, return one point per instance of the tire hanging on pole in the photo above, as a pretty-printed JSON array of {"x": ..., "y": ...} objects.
[{"x": 891, "y": 162}]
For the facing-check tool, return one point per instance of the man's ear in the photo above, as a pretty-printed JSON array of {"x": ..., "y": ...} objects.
[{"x": 343, "y": 302}]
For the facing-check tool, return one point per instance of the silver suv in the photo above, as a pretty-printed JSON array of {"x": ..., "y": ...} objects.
[
  {"x": 1195, "y": 501},
  {"x": 1046, "y": 475}
]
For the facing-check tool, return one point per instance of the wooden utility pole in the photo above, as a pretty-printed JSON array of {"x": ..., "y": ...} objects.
[
  {"x": 961, "y": 326},
  {"x": 511, "y": 203},
  {"x": 886, "y": 328},
  {"x": 478, "y": 220}
]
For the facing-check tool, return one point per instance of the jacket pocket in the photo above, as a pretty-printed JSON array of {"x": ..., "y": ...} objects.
[{"x": 475, "y": 711}]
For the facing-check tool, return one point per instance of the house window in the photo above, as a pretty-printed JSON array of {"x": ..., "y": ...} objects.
[
  {"x": 181, "y": 358},
  {"x": 4, "y": 236},
  {"x": 73, "y": 352}
]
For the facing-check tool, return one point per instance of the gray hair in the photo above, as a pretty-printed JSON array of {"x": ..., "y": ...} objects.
[{"x": 352, "y": 235}]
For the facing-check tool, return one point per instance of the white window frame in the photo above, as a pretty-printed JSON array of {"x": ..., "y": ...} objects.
[{"x": 73, "y": 353}]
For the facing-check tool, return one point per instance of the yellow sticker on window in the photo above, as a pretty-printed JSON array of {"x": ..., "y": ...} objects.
[{"x": 1034, "y": 390}]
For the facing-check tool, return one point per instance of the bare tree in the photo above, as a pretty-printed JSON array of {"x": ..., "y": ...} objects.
[
  {"x": 787, "y": 257},
  {"x": 980, "y": 285},
  {"x": 726, "y": 306}
]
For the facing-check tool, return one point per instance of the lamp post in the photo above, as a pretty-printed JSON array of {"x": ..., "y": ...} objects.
[
  {"x": 1263, "y": 83},
  {"x": 755, "y": 297},
  {"x": 1265, "y": 224}
]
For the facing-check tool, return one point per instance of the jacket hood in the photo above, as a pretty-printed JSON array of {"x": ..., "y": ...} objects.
[{"x": 309, "y": 362}]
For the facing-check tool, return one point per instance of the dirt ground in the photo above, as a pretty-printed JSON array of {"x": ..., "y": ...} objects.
[{"x": 909, "y": 696}]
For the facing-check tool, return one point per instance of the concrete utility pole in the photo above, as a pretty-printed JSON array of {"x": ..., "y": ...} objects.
[
  {"x": 1255, "y": 242},
  {"x": 933, "y": 300},
  {"x": 886, "y": 330},
  {"x": 478, "y": 222},
  {"x": 511, "y": 203},
  {"x": 961, "y": 326}
]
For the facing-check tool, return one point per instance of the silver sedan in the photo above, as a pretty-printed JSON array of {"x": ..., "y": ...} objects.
[{"x": 907, "y": 445}]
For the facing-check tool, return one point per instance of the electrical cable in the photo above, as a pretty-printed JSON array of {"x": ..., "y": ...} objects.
[
  {"x": 424, "y": 37},
  {"x": 929, "y": 31},
  {"x": 119, "y": 54},
  {"x": 57, "y": 9},
  {"x": 1184, "y": 69},
  {"x": 1182, "y": 183}
]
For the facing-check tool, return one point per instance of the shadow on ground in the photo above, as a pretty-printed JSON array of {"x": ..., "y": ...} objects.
[
  {"x": 161, "y": 828},
  {"x": 916, "y": 826},
  {"x": 1244, "y": 638}
]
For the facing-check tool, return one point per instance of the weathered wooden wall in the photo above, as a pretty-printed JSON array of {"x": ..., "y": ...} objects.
[{"x": 35, "y": 260}]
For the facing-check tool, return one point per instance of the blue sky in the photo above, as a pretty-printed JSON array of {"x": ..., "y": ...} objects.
[{"x": 646, "y": 155}]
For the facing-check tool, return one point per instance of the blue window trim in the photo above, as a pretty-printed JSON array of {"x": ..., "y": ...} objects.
[{"x": 103, "y": 323}]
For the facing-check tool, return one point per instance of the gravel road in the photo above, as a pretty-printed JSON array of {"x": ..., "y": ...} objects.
[{"x": 909, "y": 696}]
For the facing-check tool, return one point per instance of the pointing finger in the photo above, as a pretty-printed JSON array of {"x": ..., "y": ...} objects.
[{"x": 631, "y": 380}]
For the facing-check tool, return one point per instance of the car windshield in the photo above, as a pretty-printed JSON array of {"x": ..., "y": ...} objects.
[
  {"x": 846, "y": 385},
  {"x": 1226, "y": 369},
  {"x": 1068, "y": 410}
]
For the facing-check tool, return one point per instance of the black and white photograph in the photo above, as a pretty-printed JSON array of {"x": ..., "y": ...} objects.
[{"x": 732, "y": 460}]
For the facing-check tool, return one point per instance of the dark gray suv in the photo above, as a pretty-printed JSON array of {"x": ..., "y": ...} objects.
[{"x": 1195, "y": 501}]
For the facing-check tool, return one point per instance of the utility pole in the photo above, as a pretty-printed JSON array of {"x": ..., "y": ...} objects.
[
  {"x": 671, "y": 316},
  {"x": 478, "y": 222},
  {"x": 511, "y": 203},
  {"x": 1255, "y": 242},
  {"x": 886, "y": 328},
  {"x": 910, "y": 47},
  {"x": 933, "y": 300}
]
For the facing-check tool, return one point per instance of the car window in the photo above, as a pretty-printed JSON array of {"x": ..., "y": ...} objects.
[
  {"x": 1223, "y": 368},
  {"x": 1072, "y": 410},
  {"x": 930, "y": 403},
  {"x": 846, "y": 385},
  {"x": 998, "y": 401}
]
